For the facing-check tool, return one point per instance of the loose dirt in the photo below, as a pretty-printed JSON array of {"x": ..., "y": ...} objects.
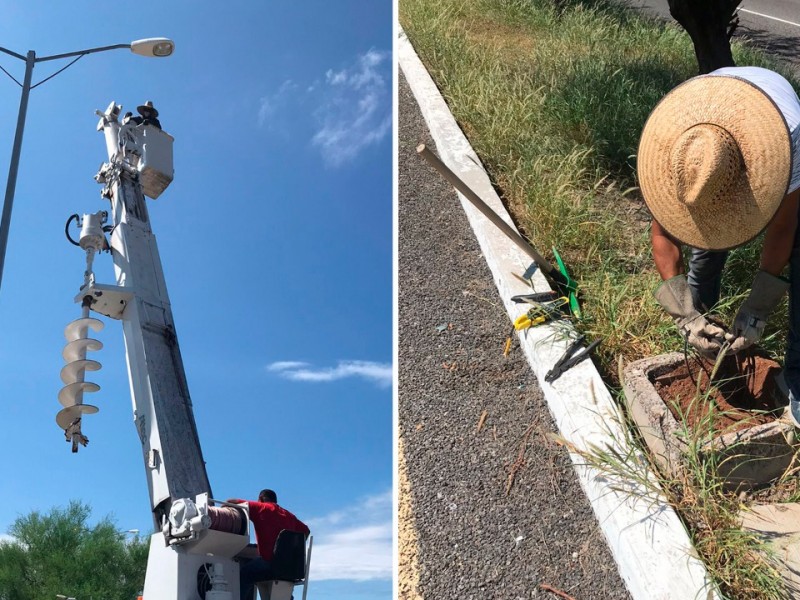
[{"x": 743, "y": 392}]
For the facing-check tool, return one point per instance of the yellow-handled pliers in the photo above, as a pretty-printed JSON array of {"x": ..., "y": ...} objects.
[
  {"x": 525, "y": 321},
  {"x": 541, "y": 312}
]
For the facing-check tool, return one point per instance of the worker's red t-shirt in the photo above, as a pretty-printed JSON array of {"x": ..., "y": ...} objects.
[{"x": 269, "y": 520}]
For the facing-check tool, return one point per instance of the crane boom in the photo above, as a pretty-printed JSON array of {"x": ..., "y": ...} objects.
[
  {"x": 198, "y": 542},
  {"x": 162, "y": 406}
]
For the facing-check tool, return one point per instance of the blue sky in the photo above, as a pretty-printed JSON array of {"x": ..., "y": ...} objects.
[{"x": 276, "y": 242}]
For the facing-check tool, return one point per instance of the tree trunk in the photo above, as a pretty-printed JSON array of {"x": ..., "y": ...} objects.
[{"x": 710, "y": 24}]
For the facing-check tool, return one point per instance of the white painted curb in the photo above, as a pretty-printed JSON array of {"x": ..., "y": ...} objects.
[{"x": 650, "y": 544}]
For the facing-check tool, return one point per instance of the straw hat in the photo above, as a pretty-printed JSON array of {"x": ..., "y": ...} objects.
[
  {"x": 714, "y": 161},
  {"x": 147, "y": 107}
]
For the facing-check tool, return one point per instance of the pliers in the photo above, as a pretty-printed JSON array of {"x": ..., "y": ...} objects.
[
  {"x": 535, "y": 298},
  {"x": 540, "y": 312},
  {"x": 569, "y": 359}
]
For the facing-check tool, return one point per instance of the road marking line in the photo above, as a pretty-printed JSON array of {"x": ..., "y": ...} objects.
[
  {"x": 758, "y": 14},
  {"x": 407, "y": 580}
]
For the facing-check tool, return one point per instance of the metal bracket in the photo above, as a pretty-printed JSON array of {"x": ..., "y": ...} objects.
[
  {"x": 108, "y": 300},
  {"x": 153, "y": 459},
  {"x": 110, "y": 173}
]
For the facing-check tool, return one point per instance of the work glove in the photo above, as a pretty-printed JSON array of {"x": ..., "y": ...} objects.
[
  {"x": 765, "y": 295},
  {"x": 676, "y": 299}
]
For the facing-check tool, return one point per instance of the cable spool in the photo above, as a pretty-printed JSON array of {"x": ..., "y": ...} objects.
[
  {"x": 73, "y": 375},
  {"x": 227, "y": 519}
]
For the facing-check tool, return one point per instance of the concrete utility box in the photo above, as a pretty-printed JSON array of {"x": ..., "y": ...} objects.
[
  {"x": 748, "y": 457},
  {"x": 155, "y": 164}
]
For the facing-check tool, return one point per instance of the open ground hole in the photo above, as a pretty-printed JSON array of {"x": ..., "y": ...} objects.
[{"x": 743, "y": 392}]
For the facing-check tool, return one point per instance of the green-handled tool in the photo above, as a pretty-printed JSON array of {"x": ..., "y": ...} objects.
[
  {"x": 559, "y": 276},
  {"x": 571, "y": 288}
]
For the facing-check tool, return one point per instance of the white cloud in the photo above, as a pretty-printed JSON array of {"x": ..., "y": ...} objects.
[
  {"x": 269, "y": 105},
  {"x": 358, "y": 111},
  {"x": 335, "y": 78},
  {"x": 283, "y": 365},
  {"x": 351, "y": 107},
  {"x": 5, "y": 538},
  {"x": 378, "y": 373},
  {"x": 354, "y": 543}
]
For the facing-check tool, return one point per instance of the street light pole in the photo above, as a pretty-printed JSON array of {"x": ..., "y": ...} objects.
[
  {"x": 158, "y": 47},
  {"x": 11, "y": 184}
]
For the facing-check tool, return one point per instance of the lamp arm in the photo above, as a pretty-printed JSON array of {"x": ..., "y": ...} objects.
[
  {"x": 14, "y": 54},
  {"x": 76, "y": 53}
]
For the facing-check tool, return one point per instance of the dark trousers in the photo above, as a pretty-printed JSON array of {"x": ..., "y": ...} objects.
[
  {"x": 252, "y": 572},
  {"x": 792, "y": 360},
  {"x": 705, "y": 276}
]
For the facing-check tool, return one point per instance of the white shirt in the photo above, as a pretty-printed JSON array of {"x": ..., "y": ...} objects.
[{"x": 784, "y": 96}]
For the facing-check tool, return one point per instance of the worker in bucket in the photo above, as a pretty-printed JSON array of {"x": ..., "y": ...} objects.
[
  {"x": 718, "y": 163},
  {"x": 269, "y": 519},
  {"x": 148, "y": 115}
]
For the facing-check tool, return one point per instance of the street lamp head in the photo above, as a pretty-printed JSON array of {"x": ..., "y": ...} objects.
[{"x": 158, "y": 47}]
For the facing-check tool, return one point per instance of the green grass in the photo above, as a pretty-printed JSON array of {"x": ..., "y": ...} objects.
[{"x": 553, "y": 96}]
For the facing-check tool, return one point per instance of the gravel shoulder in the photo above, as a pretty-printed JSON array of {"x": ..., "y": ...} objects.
[{"x": 497, "y": 509}]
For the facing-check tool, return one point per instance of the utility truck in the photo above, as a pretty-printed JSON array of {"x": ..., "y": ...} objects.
[{"x": 199, "y": 543}]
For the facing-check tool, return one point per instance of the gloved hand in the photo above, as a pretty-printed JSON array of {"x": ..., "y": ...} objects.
[
  {"x": 765, "y": 294},
  {"x": 676, "y": 299}
]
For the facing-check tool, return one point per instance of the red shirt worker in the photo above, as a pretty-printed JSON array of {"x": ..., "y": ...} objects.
[{"x": 269, "y": 519}]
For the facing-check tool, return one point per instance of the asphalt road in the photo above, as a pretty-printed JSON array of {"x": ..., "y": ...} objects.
[
  {"x": 772, "y": 24},
  {"x": 470, "y": 418}
]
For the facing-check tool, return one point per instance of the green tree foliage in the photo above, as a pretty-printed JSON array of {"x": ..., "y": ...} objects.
[{"x": 60, "y": 553}]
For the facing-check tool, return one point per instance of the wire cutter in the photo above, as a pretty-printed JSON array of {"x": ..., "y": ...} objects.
[
  {"x": 535, "y": 298},
  {"x": 570, "y": 358}
]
